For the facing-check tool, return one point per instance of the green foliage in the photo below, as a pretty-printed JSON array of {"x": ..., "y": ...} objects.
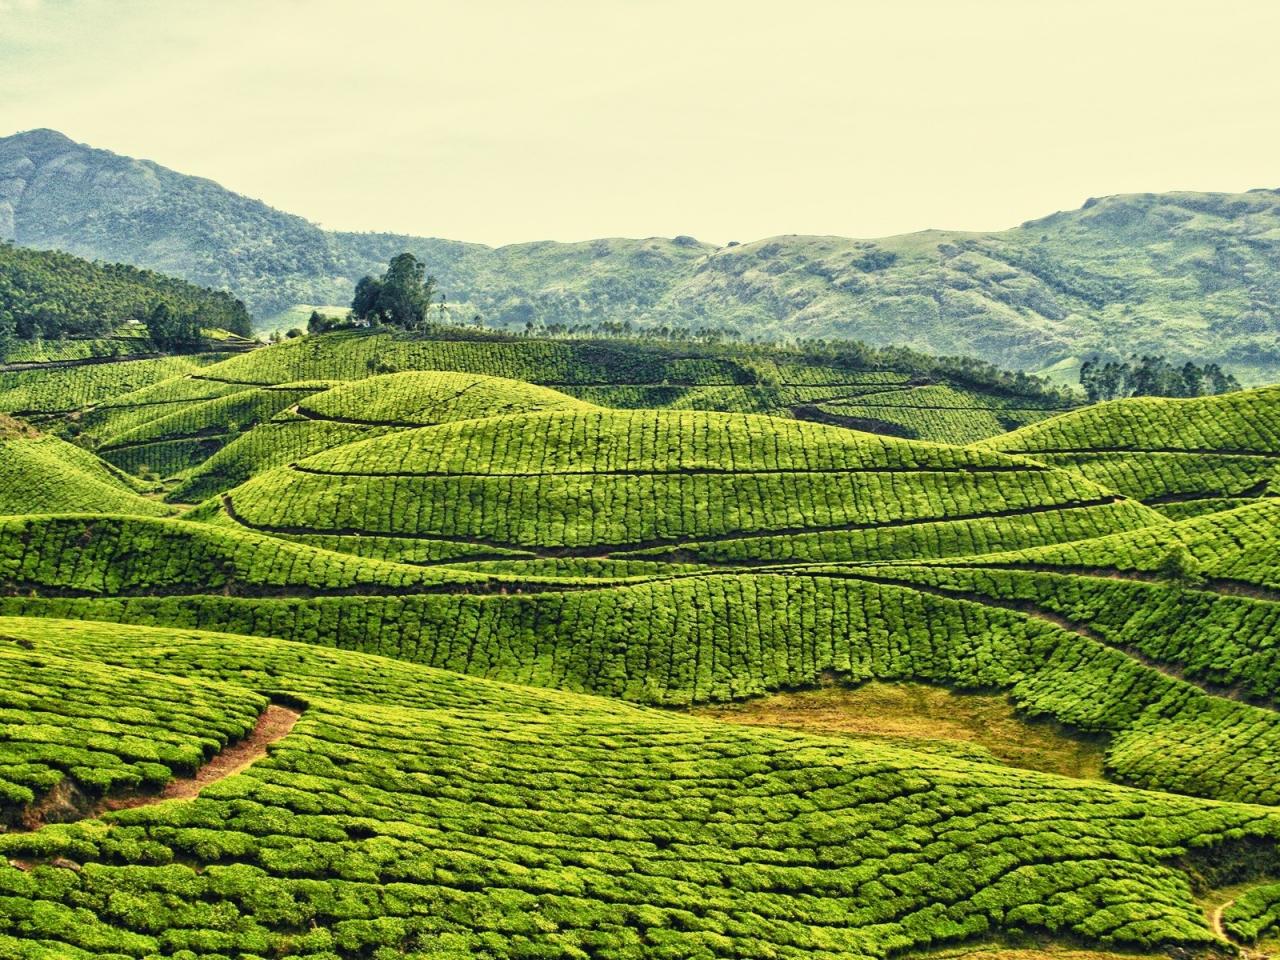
[
  {"x": 1255, "y": 914},
  {"x": 476, "y": 529},
  {"x": 638, "y": 478},
  {"x": 49, "y": 295},
  {"x": 1179, "y": 566},
  {"x": 48, "y": 475},
  {"x": 172, "y": 331},
  {"x": 418, "y": 811},
  {"x": 1245, "y": 422},
  {"x": 939, "y": 413},
  {"x": 423, "y": 398},
  {"x": 400, "y": 298},
  {"x": 191, "y": 433},
  {"x": 1152, "y": 377},
  {"x": 1164, "y": 451},
  {"x": 105, "y": 729},
  {"x": 70, "y": 389},
  {"x": 96, "y": 555}
]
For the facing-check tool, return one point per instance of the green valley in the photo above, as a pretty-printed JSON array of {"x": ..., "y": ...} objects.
[{"x": 543, "y": 647}]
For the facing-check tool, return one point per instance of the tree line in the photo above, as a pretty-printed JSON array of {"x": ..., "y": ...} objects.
[
  {"x": 1151, "y": 376},
  {"x": 48, "y": 295}
]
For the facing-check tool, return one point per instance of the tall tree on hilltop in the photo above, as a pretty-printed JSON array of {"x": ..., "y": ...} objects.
[{"x": 400, "y": 298}]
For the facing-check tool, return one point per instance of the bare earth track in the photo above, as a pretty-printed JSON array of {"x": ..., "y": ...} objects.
[
  {"x": 65, "y": 802},
  {"x": 274, "y": 724}
]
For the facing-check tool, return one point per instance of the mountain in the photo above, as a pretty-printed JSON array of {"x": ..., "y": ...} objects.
[{"x": 1188, "y": 275}]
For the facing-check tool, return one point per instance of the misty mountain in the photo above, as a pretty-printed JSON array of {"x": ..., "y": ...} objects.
[{"x": 1189, "y": 275}]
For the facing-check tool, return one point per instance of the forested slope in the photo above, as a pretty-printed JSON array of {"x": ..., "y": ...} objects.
[{"x": 54, "y": 296}]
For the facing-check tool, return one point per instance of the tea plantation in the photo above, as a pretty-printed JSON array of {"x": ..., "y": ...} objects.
[{"x": 485, "y": 580}]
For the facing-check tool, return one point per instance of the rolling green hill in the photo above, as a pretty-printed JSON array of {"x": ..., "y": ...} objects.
[
  {"x": 40, "y": 474},
  {"x": 417, "y": 812},
  {"x": 1190, "y": 275},
  {"x": 1183, "y": 457},
  {"x": 437, "y": 649},
  {"x": 209, "y": 422}
]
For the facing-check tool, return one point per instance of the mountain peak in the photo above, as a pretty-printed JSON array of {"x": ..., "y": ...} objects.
[{"x": 41, "y": 136}]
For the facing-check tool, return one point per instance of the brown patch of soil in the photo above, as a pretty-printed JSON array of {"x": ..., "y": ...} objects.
[{"x": 274, "y": 724}]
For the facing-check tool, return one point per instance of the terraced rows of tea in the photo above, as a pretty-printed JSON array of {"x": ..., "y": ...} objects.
[{"x": 371, "y": 646}]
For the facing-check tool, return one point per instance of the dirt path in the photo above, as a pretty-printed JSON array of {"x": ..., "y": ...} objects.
[
  {"x": 274, "y": 724},
  {"x": 1215, "y": 920}
]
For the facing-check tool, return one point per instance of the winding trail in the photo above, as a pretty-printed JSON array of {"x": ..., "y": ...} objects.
[
  {"x": 1215, "y": 920},
  {"x": 274, "y": 724},
  {"x": 66, "y": 803}
]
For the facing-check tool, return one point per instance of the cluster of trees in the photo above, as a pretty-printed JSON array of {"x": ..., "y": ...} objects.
[
  {"x": 1151, "y": 376},
  {"x": 401, "y": 297},
  {"x": 171, "y": 330},
  {"x": 50, "y": 295}
]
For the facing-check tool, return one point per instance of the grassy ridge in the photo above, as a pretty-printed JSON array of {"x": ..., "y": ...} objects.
[
  {"x": 96, "y": 555},
  {"x": 69, "y": 390},
  {"x": 423, "y": 398},
  {"x": 637, "y": 479},
  {"x": 1171, "y": 454}
]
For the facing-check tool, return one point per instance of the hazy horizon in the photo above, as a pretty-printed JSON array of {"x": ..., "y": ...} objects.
[{"x": 504, "y": 123}]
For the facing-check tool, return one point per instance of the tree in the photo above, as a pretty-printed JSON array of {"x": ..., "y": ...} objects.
[
  {"x": 401, "y": 298},
  {"x": 170, "y": 330},
  {"x": 366, "y": 303},
  {"x": 1179, "y": 566}
]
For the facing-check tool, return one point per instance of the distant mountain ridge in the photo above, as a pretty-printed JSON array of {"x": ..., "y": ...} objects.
[{"x": 1188, "y": 275}]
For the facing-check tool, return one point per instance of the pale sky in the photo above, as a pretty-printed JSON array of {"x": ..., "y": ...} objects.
[{"x": 510, "y": 120}]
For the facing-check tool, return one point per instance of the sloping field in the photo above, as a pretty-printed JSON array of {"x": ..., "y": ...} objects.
[
  {"x": 60, "y": 390},
  {"x": 938, "y": 412},
  {"x": 605, "y": 481},
  {"x": 415, "y": 812},
  {"x": 474, "y": 636},
  {"x": 1183, "y": 456},
  {"x": 424, "y": 398},
  {"x": 40, "y": 474}
]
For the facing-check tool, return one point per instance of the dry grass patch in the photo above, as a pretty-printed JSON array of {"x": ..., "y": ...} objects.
[{"x": 927, "y": 715}]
